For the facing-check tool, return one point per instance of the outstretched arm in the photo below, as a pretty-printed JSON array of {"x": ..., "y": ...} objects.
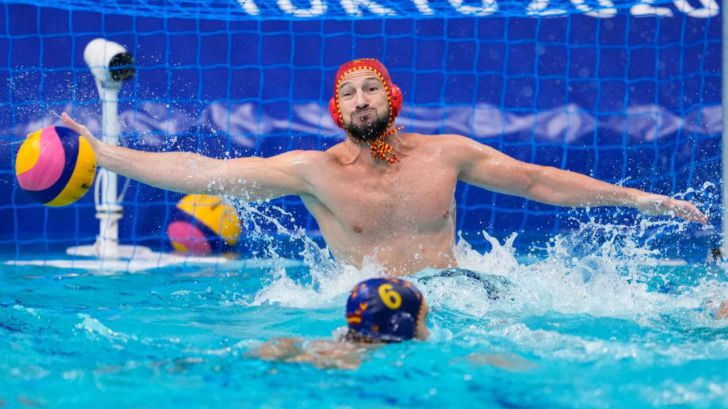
[
  {"x": 486, "y": 167},
  {"x": 251, "y": 178},
  {"x": 321, "y": 353}
]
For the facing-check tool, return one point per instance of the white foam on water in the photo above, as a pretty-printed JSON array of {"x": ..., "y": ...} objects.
[
  {"x": 95, "y": 329},
  {"x": 699, "y": 393},
  {"x": 551, "y": 345},
  {"x": 29, "y": 310},
  {"x": 327, "y": 288},
  {"x": 326, "y": 281},
  {"x": 600, "y": 269}
]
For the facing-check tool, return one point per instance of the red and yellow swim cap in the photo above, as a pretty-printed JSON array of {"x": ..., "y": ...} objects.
[{"x": 394, "y": 94}]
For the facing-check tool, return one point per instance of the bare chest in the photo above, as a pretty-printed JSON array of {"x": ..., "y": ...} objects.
[{"x": 405, "y": 197}]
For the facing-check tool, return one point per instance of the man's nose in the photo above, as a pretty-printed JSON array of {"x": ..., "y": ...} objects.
[{"x": 361, "y": 100}]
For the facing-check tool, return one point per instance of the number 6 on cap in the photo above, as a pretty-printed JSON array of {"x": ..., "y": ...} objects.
[{"x": 390, "y": 297}]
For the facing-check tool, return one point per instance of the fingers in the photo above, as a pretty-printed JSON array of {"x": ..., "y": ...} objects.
[
  {"x": 69, "y": 121},
  {"x": 686, "y": 210},
  {"x": 76, "y": 126},
  {"x": 691, "y": 212},
  {"x": 663, "y": 205}
]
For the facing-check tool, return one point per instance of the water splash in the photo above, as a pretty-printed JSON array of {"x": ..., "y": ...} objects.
[
  {"x": 96, "y": 329},
  {"x": 604, "y": 269},
  {"x": 321, "y": 280}
]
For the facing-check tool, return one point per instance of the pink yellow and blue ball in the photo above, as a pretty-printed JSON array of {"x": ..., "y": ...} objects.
[
  {"x": 202, "y": 225},
  {"x": 55, "y": 166}
]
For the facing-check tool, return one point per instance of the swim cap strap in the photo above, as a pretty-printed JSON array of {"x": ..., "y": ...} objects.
[
  {"x": 382, "y": 150},
  {"x": 379, "y": 148},
  {"x": 401, "y": 327}
]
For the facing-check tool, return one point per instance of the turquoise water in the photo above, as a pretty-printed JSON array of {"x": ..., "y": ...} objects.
[{"x": 602, "y": 327}]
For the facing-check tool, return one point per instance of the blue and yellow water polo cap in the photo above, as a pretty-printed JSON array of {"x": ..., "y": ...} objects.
[{"x": 384, "y": 309}]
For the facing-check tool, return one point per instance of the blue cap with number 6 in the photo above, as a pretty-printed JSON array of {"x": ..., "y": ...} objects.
[{"x": 383, "y": 310}]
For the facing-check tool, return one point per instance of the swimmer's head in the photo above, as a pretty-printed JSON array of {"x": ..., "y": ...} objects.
[
  {"x": 386, "y": 310},
  {"x": 391, "y": 92}
]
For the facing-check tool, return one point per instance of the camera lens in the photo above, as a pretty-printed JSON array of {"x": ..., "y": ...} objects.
[{"x": 121, "y": 66}]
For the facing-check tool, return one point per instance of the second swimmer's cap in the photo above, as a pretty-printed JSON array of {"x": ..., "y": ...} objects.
[{"x": 384, "y": 309}]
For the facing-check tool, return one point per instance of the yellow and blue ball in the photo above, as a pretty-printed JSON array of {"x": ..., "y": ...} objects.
[
  {"x": 202, "y": 225},
  {"x": 55, "y": 166}
]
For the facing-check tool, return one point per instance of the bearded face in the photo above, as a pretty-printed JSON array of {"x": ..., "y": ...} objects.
[{"x": 366, "y": 125}]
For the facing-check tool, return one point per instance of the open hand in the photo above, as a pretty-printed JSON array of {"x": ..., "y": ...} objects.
[
  {"x": 658, "y": 205},
  {"x": 82, "y": 130}
]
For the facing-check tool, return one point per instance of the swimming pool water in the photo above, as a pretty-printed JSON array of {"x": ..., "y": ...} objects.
[{"x": 593, "y": 331}]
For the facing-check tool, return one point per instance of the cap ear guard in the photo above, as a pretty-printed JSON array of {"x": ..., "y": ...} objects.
[
  {"x": 334, "y": 111},
  {"x": 401, "y": 327},
  {"x": 384, "y": 309},
  {"x": 396, "y": 96}
]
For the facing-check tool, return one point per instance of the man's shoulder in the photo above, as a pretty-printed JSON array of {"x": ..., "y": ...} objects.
[
  {"x": 307, "y": 157},
  {"x": 305, "y": 163},
  {"x": 338, "y": 154},
  {"x": 455, "y": 149},
  {"x": 439, "y": 141},
  {"x": 434, "y": 138}
]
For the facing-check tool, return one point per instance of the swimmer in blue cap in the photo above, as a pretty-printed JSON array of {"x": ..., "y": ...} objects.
[
  {"x": 379, "y": 310},
  {"x": 386, "y": 310}
]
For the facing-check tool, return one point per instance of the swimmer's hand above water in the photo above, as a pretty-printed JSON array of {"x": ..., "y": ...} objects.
[
  {"x": 658, "y": 205},
  {"x": 82, "y": 130}
]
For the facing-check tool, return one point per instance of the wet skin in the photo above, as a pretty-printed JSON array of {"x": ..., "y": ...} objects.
[
  {"x": 323, "y": 353},
  {"x": 400, "y": 216}
]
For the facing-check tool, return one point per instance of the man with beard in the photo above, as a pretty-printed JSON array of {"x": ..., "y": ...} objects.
[{"x": 382, "y": 195}]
